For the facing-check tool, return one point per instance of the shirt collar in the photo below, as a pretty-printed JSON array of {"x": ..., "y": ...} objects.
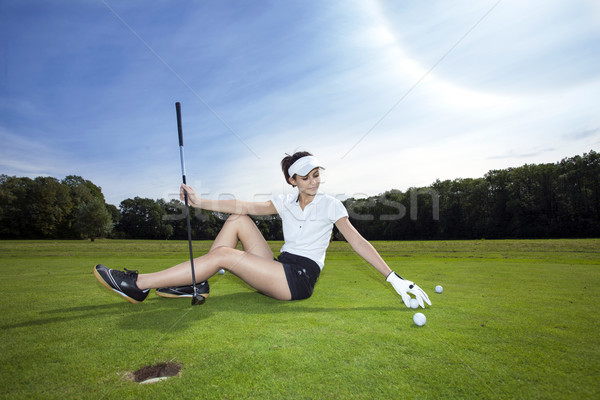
[{"x": 317, "y": 198}]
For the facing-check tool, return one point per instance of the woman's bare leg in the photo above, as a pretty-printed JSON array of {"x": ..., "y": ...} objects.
[
  {"x": 254, "y": 265},
  {"x": 242, "y": 228}
]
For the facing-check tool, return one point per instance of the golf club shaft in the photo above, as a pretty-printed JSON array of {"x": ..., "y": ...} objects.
[{"x": 185, "y": 197}]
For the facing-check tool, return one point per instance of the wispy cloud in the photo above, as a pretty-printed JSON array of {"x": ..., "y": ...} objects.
[
  {"x": 29, "y": 157},
  {"x": 515, "y": 154},
  {"x": 583, "y": 134}
]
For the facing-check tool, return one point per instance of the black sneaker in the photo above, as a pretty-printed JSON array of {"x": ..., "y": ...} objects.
[
  {"x": 121, "y": 282},
  {"x": 202, "y": 289}
]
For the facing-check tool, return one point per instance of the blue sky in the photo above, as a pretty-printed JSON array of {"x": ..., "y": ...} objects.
[{"x": 387, "y": 94}]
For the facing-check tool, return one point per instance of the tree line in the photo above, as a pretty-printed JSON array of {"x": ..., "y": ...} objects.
[
  {"x": 532, "y": 201},
  {"x": 560, "y": 200},
  {"x": 47, "y": 208}
]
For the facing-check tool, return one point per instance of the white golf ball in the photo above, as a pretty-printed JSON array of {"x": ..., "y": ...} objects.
[
  {"x": 439, "y": 289},
  {"x": 221, "y": 271},
  {"x": 419, "y": 319},
  {"x": 414, "y": 303}
]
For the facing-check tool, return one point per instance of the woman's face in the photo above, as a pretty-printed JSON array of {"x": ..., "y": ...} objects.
[{"x": 308, "y": 184}]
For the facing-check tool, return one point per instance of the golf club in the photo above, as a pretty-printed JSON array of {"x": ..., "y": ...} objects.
[{"x": 195, "y": 298}]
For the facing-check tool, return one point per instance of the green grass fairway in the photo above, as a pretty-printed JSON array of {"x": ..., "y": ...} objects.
[{"x": 517, "y": 319}]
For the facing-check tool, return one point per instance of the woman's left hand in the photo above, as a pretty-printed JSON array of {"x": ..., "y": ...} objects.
[{"x": 403, "y": 287}]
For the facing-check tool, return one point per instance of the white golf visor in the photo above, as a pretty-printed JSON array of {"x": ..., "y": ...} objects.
[{"x": 304, "y": 165}]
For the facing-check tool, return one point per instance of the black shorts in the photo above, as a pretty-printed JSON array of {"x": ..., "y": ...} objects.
[{"x": 301, "y": 273}]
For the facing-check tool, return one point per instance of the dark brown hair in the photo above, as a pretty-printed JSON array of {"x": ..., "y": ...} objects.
[{"x": 288, "y": 160}]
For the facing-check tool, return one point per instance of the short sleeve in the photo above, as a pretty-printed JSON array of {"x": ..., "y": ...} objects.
[
  {"x": 278, "y": 202},
  {"x": 336, "y": 210}
]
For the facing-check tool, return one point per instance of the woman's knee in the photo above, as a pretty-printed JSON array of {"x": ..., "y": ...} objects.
[
  {"x": 220, "y": 255},
  {"x": 238, "y": 219},
  {"x": 235, "y": 222},
  {"x": 239, "y": 223}
]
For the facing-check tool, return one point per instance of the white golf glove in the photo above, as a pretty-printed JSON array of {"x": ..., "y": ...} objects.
[{"x": 403, "y": 287}]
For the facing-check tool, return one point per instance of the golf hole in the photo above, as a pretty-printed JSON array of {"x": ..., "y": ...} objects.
[{"x": 155, "y": 373}]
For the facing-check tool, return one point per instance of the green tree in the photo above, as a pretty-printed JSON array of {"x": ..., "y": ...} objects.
[
  {"x": 115, "y": 214},
  {"x": 14, "y": 219},
  {"x": 578, "y": 193},
  {"x": 142, "y": 218},
  {"x": 48, "y": 204},
  {"x": 465, "y": 208},
  {"x": 82, "y": 191},
  {"x": 269, "y": 226},
  {"x": 93, "y": 220}
]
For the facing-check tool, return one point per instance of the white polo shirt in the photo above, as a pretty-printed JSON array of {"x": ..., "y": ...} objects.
[{"x": 307, "y": 232}]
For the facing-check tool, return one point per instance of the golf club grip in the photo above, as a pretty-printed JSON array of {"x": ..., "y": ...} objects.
[
  {"x": 179, "y": 127},
  {"x": 180, "y": 133}
]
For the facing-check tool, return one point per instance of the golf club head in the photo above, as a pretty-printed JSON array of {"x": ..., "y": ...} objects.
[{"x": 197, "y": 300}]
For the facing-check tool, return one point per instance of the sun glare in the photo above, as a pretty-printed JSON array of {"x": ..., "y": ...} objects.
[{"x": 408, "y": 68}]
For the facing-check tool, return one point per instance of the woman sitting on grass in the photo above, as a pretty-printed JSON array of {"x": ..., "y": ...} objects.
[{"x": 307, "y": 219}]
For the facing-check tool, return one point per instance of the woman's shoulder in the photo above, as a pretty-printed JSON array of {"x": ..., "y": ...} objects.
[
  {"x": 329, "y": 198},
  {"x": 290, "y": 198},
  {"x": 286, "y": 198},
  {"x": 283, "y": 199}
]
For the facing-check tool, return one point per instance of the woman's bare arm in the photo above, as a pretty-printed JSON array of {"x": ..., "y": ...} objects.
[
  {"x": 228, "y": 206},
  {"x": 370, "y": 254},
  {"x": 362, "y": 246}
]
